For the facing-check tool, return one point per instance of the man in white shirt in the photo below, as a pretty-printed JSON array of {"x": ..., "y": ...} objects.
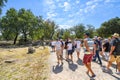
[
  {"x": 70, "y": 50},
  {"x": 59, "y": 54},
  {"x": 78, "y": 47},
  {"x": 53, "y": 45}
]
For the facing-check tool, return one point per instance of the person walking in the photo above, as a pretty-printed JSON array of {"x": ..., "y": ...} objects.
[
  {"x": 53, "y": 45},
  {"x": 58, "y": 47},
  {"x": 62, "y": 42},
  {"x": 114, "y": 53},
  {"x": 106, "y": 49},
  {"x": 70, "y": 50},
  {"x": 88, "y": 54},
  {"x": 65, "y": 47},
  {"x": 96, "y": 50},
  {"x": 78, "y": 48}
]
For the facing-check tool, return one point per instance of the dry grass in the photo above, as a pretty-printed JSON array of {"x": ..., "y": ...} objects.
[{"x": 24, "y": 66}]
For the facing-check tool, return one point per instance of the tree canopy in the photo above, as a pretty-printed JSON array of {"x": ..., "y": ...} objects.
[
  {"x": 23, "y": 25},
  {"x": 2, "y": 4},
  {"x": 109, "y": 27}
]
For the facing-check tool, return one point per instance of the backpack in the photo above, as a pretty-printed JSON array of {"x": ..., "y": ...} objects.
[
  {"x": 117, "y": 47},
  {"x": 73, "y": 48},
  {"x": 65, "y": 47},
  {"x": 97, "y": 44},
  {"x": 62, "y": 43}
]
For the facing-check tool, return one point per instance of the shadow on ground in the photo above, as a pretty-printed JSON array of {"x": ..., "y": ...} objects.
[
  {"x": 57, "y": 69},
  {"x": 111, "y": 73},
  {"x": 72, "y": 66},
  {"x": 79, "y": 62}
]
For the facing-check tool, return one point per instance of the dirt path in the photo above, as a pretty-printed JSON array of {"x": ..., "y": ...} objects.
[{"x": 76, "y": 71}]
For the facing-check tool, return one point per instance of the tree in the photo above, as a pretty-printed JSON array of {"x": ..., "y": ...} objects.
[
  {"x": 26, "y": 20},
  {"x": 2, "y": 4},
  {"x": 9, "y": 25},
  {"x": 49, "y": 29},
  {"x": 37, "y": 31},
  {"x": 109, "y": 27},
  {"x": 78, "y": 30},
  {"x": 66, "y": 34},
  {"x": 90, "y": 30}
]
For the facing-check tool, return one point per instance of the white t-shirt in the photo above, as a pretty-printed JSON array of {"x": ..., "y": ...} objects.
[
  {"x": 78, "y": 43},
  {"x": 53, "y": 43},
  {"x": 69, "y": 45},
  {"x": 58, "y": 45}
]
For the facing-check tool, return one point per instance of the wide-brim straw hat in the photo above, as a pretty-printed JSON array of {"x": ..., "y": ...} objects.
[{"x": 115, "y": 35}]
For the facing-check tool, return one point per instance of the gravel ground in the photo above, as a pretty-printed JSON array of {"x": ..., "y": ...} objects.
[{"x": 77, "y": 70}]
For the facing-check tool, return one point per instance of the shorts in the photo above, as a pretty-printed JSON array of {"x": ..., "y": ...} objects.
[
  {"x": 87, "y": 58},
  {"x": 70, "y": 52},
  {"x": 77, "y": 49},
  {"x": 113, "y": 59},
  {"x": 53, "y": 46},
  {"x": 106, "y": 55},
  {"x": 58, "y": 53}
]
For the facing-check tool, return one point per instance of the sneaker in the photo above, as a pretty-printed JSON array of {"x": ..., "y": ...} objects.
[
  {"x": 93, "y": 76},
  {"x": 105, "y": 69}
]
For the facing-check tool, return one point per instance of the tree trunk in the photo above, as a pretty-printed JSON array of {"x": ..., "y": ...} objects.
[
  {"x": 15, "y": 39},
  {"x": 25, "y": 37}
]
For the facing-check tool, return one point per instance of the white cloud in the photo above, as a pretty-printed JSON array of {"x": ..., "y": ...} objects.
[
  {"x": 107, "y": 1},
  {"x": 49, "y": 2},
  {"x": 67, "y": 6},
  {"x": 90, "y": 8},
  {"x": 91, "y": 5},
  {"x": 51, "y": 15},
  {"x": 60, "y": 5},
  {"x": 91, "y": 2},
  {"x": 70, "y": 15},
  {"x": 64, "y": 26},
  {"x": 77, "y": 1},
  {"x": 78, "y": 12},
  {"x": 50, "y": 8},
  {"x": 70, "y": 21},
  {"x": 57, "y": 0},
  {"x": 111, "y": 1}
]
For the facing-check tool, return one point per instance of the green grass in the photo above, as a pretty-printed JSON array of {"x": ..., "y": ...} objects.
[{"x": 24, "y": 66}]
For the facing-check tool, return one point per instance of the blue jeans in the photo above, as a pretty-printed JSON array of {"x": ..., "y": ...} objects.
[{"x": 97, "y": 56}]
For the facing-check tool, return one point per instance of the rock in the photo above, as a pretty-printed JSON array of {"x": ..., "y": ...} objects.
[
  {"x": 31, "y": 50},
  {"x": 9, "y": 61}
]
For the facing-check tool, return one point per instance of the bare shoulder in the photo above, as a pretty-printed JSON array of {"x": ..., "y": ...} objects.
[{"x": 85, "y": 40}]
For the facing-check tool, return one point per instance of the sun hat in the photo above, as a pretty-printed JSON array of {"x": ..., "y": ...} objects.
[{"x": 115, "y": 35}]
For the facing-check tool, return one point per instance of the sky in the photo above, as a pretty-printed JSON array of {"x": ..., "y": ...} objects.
[{"x": 68, "y": 13}]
